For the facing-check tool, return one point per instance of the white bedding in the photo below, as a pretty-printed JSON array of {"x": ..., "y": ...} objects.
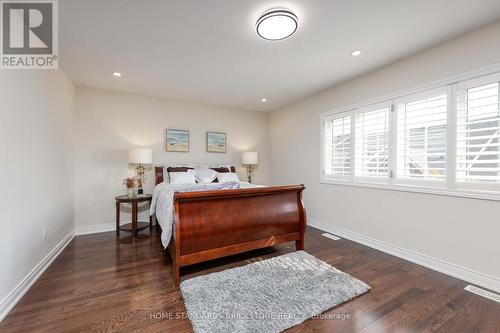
[{"x": 163, "y": 202}]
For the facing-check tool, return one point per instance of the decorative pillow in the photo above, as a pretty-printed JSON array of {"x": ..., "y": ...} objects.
[
  {"x": 204, "y": 175},
  {"x": 179, "y": 169},
  {"x": 227, "y": 177},
  {"x": 182, "y": 178},
  {"x": 220, "y": 169}
]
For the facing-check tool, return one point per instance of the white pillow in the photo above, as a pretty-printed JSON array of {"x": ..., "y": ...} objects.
[
  {"x": 204, "y": 175},
  {"x": 226, "y": 177},
  {"x": 182, "y": 178},
  {"x": 166, "y": 178}
]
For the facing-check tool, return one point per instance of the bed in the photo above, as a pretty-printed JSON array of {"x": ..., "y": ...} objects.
[{"x": 216, "y": 220}]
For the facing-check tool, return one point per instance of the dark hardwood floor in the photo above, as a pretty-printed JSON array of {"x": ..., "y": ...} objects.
[{"x": 103, "y": 284}]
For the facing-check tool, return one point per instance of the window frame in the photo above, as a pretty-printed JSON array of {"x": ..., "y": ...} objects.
[
  {"x": 366, "y": 109},
  {"x": 462, "y": 87},
  {"x": 448, "y": 187},
  {"x": 323, "y": 121},
  {"x": 411, "y": 99}
]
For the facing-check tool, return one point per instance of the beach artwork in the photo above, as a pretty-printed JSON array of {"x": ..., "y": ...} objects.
[
  {"x": 216, "y": 142},
  {"x": 177, "y": 140}
]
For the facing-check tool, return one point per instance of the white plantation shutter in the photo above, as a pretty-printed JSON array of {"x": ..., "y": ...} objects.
[
  {"x": 444, "y": 140},
  {"x": 421, "y": 137},
  {"x": 372, "y": 143},
  {"x": 478, "y": 133},
  {"x": 337, "y": 145}
]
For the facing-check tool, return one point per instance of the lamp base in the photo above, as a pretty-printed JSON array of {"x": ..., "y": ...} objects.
[
  {"x": 250, "y": 172},
  {"x": 140, "y": 174}
]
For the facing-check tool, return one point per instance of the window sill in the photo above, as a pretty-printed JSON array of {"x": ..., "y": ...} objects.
[{"x": 471, "y": 194}]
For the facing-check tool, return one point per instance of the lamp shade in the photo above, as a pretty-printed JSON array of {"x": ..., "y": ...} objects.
[
  {"x": 250, "y": 157},
  {"x": 140, "y": 156}
]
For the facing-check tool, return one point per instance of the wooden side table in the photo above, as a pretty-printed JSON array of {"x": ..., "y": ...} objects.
[{"x": 135, "y": 225}]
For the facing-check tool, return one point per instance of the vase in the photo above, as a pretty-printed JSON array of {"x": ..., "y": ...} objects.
[
  {"x": 130, "y": 192},
  {"x": 136, "y": 191}
]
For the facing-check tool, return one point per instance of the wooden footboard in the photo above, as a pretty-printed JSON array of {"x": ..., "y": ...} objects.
[{"x": 214, "y": 224}]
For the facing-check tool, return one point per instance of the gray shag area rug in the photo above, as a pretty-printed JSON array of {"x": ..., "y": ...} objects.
[{"x": 267, "y": 296}]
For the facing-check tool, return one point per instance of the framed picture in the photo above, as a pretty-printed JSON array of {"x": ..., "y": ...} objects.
[
  {"x": 216, "y": 142},
  {"x": 177, "y": 140}
]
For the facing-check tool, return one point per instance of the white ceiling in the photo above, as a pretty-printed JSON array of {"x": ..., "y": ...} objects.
[{"x": 208, "y": 51}]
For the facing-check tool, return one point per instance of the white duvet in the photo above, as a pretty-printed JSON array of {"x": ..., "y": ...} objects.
[{"x": 163, "y": 202}]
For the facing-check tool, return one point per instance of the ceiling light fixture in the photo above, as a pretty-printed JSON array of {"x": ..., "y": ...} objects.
[
  {"x": 117, "y": 74},
  {"x": 263, "y": 100},
  {"x": 355, "y": 53},
  {"x": 277, "y": 24}
]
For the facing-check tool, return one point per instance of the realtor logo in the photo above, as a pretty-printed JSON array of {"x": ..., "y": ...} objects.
[{"x": 29, "y": 34}]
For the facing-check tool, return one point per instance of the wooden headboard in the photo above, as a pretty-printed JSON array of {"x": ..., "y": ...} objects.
[{"x": 159, "y": 171}]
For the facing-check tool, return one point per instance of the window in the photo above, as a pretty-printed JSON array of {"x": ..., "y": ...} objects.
[
  {"x": 443, "y": 140},
  {"x": 478, "y": 133},
  {"x": 421, "y": 138},
  {"x": 338, "y": 146},
  {"x": 372, "y": 144}
]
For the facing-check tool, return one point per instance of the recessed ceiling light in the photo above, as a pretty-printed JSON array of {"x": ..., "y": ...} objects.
[
  {"x": 355, "y": 53},
  {"x": 117, "y": 74},
  {"x": 277, "y": 24},
  {"x": 263, "y": 100}
]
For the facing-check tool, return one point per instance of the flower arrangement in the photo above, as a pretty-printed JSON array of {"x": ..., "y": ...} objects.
[{"x": 131, "y": 182}]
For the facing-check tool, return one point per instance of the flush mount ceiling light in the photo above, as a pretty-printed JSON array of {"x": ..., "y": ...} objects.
[
  {"x": 263, "y": 100},
  {"x": 277, "y": 24},
  {"x": 117, "y": 74},
  {"x": 356, "y": 53}
]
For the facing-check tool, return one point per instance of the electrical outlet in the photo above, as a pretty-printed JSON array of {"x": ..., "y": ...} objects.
[{"x": 44, "y": 232}]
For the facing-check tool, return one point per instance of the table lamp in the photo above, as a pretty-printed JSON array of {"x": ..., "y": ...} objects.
[
  {"x": 250, "y": 159},
  {"x": 140, "y": 157}
]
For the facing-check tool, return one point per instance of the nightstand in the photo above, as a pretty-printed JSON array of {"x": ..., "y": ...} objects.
[{"x": 135, "y": 225}]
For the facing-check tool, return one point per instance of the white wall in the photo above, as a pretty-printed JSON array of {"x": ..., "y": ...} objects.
[
  {"x": 460, "y": 231},
  {"x": 36, "y": 151},
  {"x": 109, "y": 123}
]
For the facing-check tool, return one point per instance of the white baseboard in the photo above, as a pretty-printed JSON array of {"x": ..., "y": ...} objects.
[
  {"x": 94, "y": 229},
  {"x": 9, "y": 301},
  {"x": 462, "y": 273}
]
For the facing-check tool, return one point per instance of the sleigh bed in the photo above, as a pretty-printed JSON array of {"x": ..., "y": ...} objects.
[{"x": 212, "y": 224}]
